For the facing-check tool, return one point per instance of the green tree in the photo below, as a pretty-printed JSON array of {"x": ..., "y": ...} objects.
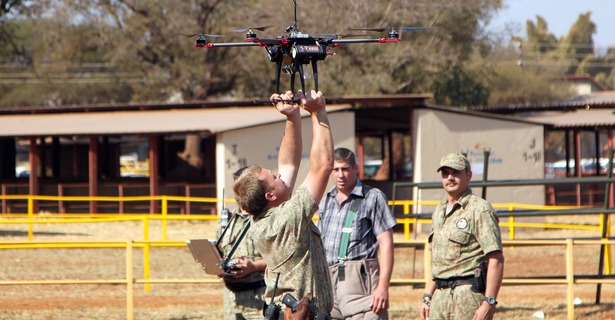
[
  {"x": 538, "y": 36},
  {"x": 460, "y": 88},
  {"x": 578, "y": 44},
  {"x": 140, "y": 51}
]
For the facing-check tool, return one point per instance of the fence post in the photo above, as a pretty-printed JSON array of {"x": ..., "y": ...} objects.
[
  {"x": 511, "y": 228},
  {"x": 407, "y": 228},
  {"x": 146, "y": 247},
  {"x": 164, "y": 217},
  {"x": 607, "y": 247},
  {"x": 129, "y": 282},
  {"x": 570, "y": 278},
  {"x": 30, "y": 217}
]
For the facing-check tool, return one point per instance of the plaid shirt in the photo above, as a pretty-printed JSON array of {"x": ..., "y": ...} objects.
[{"x": 372, "y": 219}]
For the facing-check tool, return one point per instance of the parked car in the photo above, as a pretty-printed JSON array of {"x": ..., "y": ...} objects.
[{"x": 588, "y": 167}]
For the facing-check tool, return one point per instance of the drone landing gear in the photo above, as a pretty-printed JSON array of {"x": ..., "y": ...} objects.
[{"x": 292, "y": 69}]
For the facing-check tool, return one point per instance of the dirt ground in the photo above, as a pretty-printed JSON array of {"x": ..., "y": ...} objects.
[{"x": 187, "y": 301}]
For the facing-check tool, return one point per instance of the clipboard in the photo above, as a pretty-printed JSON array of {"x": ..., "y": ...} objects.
[{"x": 207, "y": 254}]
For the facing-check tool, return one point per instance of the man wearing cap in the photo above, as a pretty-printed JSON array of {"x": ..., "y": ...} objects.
[{"x": 467, "y": 261}]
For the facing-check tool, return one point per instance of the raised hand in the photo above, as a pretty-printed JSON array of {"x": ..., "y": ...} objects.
[{"x": 312, "y": 101}]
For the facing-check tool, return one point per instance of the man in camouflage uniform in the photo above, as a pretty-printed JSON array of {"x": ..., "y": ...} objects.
[
  {"x": 465, "y": 235},
  {"x": 245, "y": 288},
  {"x": 283, "y": 230}
]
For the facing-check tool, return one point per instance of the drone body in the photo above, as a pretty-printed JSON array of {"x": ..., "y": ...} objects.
[{"x": 291, "y": 52}]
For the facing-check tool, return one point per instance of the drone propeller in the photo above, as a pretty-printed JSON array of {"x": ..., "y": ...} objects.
[
  {"x": 261, "y": 28},
  {"x": 201, "y": 35},
  {"x": 339, "y": 35},
  {"x": 417, "y": 28},
  {"x": 201, "y": 41},
  {"x": 400, "y": 28},
  {"x": 393, "y": 34},
  {"x": 368, "y": 29}
]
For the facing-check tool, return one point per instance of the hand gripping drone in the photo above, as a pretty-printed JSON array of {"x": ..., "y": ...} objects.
[{"x": 291, "y": 52}]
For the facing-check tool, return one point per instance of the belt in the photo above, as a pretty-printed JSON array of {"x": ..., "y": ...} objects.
[
  {"x": 455, "y": 281},
  {"x": 244, "y": 286}
]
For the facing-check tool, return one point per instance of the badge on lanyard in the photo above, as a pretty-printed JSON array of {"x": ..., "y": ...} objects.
[{"x": 462, "y": 223}]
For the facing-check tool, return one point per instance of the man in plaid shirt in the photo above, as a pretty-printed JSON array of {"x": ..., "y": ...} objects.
[{"x": 357, "y": 231}]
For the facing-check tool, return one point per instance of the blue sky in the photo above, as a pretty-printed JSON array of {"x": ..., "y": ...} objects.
[{"x": 560, "y": 15}]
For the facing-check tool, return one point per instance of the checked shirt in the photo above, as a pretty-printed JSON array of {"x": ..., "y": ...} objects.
[{"x": 372, "y": 218}]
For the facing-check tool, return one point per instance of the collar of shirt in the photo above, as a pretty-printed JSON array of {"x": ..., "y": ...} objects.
[
  {"x": 462, "y": 202},
  {"x": 357, "y": 191}
]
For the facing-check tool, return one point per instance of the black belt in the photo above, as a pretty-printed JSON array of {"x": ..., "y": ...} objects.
[
  {"x": 244, "y": 286},
  {"x": 455, "y": 281}
]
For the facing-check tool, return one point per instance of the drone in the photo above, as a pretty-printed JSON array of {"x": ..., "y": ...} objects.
[{"x": 292, "y": 51}]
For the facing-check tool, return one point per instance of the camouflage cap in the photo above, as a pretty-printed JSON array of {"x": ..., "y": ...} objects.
[{"x": 455, "y": 161}]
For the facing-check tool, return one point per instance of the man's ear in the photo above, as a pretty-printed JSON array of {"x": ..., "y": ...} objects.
[{"x": 270, "y": 196}]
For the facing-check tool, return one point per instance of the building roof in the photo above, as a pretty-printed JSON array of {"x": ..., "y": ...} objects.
[
  {"x": 196, "y": 116},
  {"x": 574, "y": 118},
  {"x": 585, "y": 79},
  {"x": 602, "y": 99},
  {"x": 140, "y": 122},
  {"x": 584, "y": 111}
]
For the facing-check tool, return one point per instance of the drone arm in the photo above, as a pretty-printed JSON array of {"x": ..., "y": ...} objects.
[
  {"x": 232, "y": 44},
  {"x": 378, "y": 40}
]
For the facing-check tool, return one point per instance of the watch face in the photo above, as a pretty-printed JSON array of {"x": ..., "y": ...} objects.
[{"x": 491, "y": 300}]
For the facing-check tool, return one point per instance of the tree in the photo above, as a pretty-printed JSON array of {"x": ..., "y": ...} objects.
[
  {"x": 578, "y": 43},
  {"x": 538, "y": 36},
  {"x": 141, "y": 40},
  {"x": 460, "y": 89}
]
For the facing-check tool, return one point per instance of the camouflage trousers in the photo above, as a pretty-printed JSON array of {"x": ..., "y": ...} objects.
[
  {"x": 244, "y": 305},
  {"x": 458, "y": 303}
]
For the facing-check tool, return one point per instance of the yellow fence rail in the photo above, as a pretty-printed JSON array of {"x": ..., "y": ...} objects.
[
  {"x": 406, "y": 220},
  {"x": 130, "y": 279}
]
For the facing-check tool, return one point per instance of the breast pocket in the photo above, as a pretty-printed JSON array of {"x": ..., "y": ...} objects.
[{"x": 457, "y": 242}]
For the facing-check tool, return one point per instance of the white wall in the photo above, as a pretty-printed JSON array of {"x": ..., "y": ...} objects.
[
  {"x": 517, "y": 152},
  {"x": 260, "y": 144}
]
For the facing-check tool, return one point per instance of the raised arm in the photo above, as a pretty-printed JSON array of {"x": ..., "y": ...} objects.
[
  {"x": 289, "y": 156},
  {"x": 321, "y": 151}
]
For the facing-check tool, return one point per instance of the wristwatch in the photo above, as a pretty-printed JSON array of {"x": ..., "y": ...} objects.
[{"x": 491, "y": 301}]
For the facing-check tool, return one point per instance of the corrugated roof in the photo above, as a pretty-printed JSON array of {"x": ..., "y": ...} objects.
[
  {"x": 389, "y": 99},
  {"x": 603, "y": 99},
  {"x": 593, "y": 99},
  {"x": 576, "y": 118},
  {"x": 140, "y": 122}
]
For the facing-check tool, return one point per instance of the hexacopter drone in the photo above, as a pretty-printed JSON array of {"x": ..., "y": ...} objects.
[{"x": 292, "y": 51}]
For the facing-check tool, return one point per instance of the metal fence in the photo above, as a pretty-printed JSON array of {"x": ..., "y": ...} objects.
[{"x": 130, "y": 279}]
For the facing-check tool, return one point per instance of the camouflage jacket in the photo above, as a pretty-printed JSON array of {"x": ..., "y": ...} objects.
[
  {"x": 460, "y": 240},
  {"x": 292, "y": 247},
  {"x": 246, "y": 248}
]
